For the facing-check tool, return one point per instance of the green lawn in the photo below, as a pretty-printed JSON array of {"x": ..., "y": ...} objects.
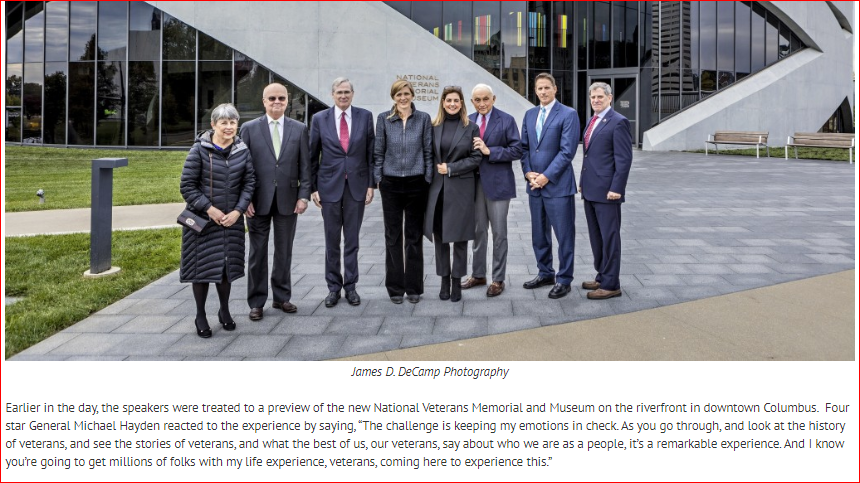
[
  {"x": 65, "y": 174},
  {"x": 828, "y": 154},
  {"x": 47, "y": 272}
]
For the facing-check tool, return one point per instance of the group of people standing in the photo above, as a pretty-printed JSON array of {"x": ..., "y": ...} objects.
[{"x": 449, "y": 179}]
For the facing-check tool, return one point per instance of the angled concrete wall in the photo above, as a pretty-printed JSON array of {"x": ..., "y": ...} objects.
[
  {"x": 312, "y": 43},
  {"x": 798, "y": 93}
]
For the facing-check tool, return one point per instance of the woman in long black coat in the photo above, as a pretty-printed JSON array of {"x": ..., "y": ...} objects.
[
  {"x": 450, "y": 216},
  {"x": 217, "y": 183}
]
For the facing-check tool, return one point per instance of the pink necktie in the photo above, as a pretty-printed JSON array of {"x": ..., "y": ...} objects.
[
  {"x": 588, "y": 131},
  {"x": 344, "y": 132},
  {"x": 483, "y": 125}
]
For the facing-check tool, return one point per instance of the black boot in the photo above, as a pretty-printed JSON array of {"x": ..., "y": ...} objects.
[
  {"x": 445, "y": 291},
  {"x": 456, "y": 290}
]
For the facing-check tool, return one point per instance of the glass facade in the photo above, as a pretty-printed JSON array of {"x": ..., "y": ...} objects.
[{"x": 125, "y": 74}]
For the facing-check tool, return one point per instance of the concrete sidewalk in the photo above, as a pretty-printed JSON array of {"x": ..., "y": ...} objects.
[
  {"x": 58, "y": 222},
  {"x": 699, "y": 235}
]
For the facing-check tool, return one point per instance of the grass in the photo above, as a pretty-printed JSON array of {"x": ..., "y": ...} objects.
[
  {"x": 65, "y": 175},
  {"x": 828, "y": 154},
  {"x": 47, "y": 272}
]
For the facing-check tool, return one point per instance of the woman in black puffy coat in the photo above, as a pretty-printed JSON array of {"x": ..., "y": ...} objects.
[{"x": 217, "y": 183}]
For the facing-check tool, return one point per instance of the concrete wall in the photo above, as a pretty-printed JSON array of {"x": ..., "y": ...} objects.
[
  {"x": 312, "y": 43},
  {"x": 796, "y": 94}
]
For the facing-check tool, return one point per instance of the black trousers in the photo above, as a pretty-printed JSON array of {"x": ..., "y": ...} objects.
[
  {"x": 342, "y": 217},
  {"x": 403, "y": 203},
  {"x": 258, "y": 257}
]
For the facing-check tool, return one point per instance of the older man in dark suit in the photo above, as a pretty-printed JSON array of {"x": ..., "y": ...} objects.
[
  {"x": 279, "y": 149},
  {"x": 341, "y": 158},
  {"x": 499, "y": 143},
  {"x": 606, "y": 160}
]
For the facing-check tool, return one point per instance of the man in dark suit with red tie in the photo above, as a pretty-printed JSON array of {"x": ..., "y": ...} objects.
[
  {"x": 341, "y": 148},
  {"x": 607, "y": 156}
]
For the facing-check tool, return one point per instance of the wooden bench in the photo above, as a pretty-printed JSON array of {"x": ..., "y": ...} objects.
[
  {"x": 738, "y": 137},
  {"x": 821, "y": 140}
]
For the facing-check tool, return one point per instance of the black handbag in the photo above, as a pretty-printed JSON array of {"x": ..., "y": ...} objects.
[{"x": 191, "y": 219}]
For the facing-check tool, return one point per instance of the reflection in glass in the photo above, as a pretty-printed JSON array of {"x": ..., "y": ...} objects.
[
  {"x": 15, "y": 34},
  {"x": 784, "y": 42},
  {"x": 562, "y": 36},
  {"x": 538, "y": 37},
  {"x": 428, "y": 15},
  {"x": 726, "y": 37},
  {"x": 57, "y": 36},
  {"x": 13, "y": 125},
  {"x": 672, "y": 22},
  {"x": 32, "y": 101},
  {"x": 34, "y": 34},
  {"x": 487, "y": 47},
  {"x": 110, "y": 109},
  {"x": 457, "y": 20},
  {"x": 315, "y": 106},
  {"x": 215, "y": 86},
  {"x": 709, "y": 82},
  {"x": 144, "y": 32},
  {"x": 404, "y": 8},
  {"x": 708, "y": 35},
  {"x": 14, "y": 83},
  {"x": 647, "y": 47},
  {"x": 742, "y": 39},
  {"x": 113, "y": 31},
  {"x": 143, "y": 118},
  {"x": 625, "y": 33},
  {"x": 772, "y": 39},
  {"x": 82, "y": 78},
  {"x": 82, "y": 31},
  {"x": 514, "y": 46},
  {"x": 757, "y": 43},
  {"x": 211, "y": 49},
  {"x": 55, "y": 101},
  {"x": 296, "y": 103},
  {"x": 796, "y": 44},
  {"x": 251, "y": 79},
  {"x": 177, "y": 111},
  {"x": 179, "y": 40},
  {"x": 600, "y": 37},
  {"x": 581, "y": 35},
  {"x": 725, "y": 79}
]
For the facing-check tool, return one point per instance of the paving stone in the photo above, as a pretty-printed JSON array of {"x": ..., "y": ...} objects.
[
  {"x": 354, "y": 325},
  {"x": 394, "y": 325},
  {"x": 467, "y": 327},
  {"x": 100, "y": 323},
  {"x": 256, "y": 345},
  {"x": 358, "y": 344},
  {"x": 312, "y": 348}
]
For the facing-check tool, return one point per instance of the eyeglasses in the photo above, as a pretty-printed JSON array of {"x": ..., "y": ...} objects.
[{"x": 278, "y": 98}]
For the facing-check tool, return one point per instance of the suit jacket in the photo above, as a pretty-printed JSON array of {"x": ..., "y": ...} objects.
[
  {"x": 553, "y": 154},
  {"x": 606, "y": 162},
  {"x": 330, "y": 165},
  {"x": 503, "y": 139},
  {"x": 288, "y": 173},
  {"x": 458, "y": 202}
]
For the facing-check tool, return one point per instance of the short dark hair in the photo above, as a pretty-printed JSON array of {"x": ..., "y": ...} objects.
[{"x": 547, "y": 76}]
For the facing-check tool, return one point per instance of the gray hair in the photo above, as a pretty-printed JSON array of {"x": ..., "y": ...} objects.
[
  {"x": 339, "y": 81},
  {"x": 600, "y": 85},
  {"x": 224, "y": 111},
  {"x": 485, "y": 87}
]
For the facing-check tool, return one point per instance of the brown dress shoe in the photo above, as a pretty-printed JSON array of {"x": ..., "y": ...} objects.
[
  {"x": 601, "y": 294},
  {"x": 592, "y": 285},
  {"x": 473, "y": 282},
  {"x": 256, "y": 313},
  {"x": 285, "y": 306},
  {"x": 495, "y": 288}
]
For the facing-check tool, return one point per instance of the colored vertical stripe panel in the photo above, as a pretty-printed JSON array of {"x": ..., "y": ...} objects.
[
  {"x": 519, "y": 29},
  {"x": 562, "y": 31}
]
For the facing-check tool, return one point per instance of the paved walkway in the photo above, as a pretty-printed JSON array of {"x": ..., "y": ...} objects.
[{"x": 695, "y": 229}]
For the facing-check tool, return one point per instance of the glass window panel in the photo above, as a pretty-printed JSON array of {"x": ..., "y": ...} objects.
[
  {"x": 457, "y": 20},
  {"x": 296, "y": 106},
  {"x": 144, "y": 32},
  {"x": 709, "y": 82},
  {"x": 82, "y": 31},
  {"x": 647, "y": 12},
  {"x": 757, "y": 41},
  {"x": 600, "y": 36},
  {"x": 403, "y": 7},
  {"x": 15, "y": 34},
  {"x": 487, "y": 49},
  {"x": 32, "y": 101},
  {"x": 82, "y": 81},
  {"x": 57, "y": 25},
  {"x": 581, "y": 93},
  {"x": 686, "y": 48},
  {"x": 211, "y": 49},
  {"x": 581, "y": 34},
  {"x": 215, "y": 87},
  {"x": 56, "y": 73},
  {"x": 14, "y": 83},
  {"x": 251, "y": 79},
  {"x": 34, "y": 33},
  {"x": 13, "y": 125},
  {"x": 315, "y": 106},
  {"x": 177, "y": 101},
  {"x": 726, "y": 36},
  {"x": 538, "y": 37},
  {"x": 708, "y": 35},
  {"x": 143, "y": 116},
  {"x": 772, "y": 39},
  {"x": 671, "y": 22},
  {"x": 562, "y": 36},
  {"x": 514, "y": 45},
  {"x": 110, "y": 110},
  {"x": 796, "y": 44},
  {"x": 179, "y": 40},
  {"x": 113, "y": 30},
  {"x": 625, "y": 32},
  {"x": 742, "y": 38},
  {"x": 725, "y": 78},
  {"x": 784, "y": 42},
  {"x": 429, "y": 16},
  {"x": 694, "y": 37}
]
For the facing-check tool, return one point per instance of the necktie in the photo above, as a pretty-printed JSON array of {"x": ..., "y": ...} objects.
[
  {"x": 276, "y": 139},
  {"x": 483, "y": 125},
  {"x": 344, "y": 132},
  {"x": 541, "y": 119},
  {"x": 589, "y": 129}
]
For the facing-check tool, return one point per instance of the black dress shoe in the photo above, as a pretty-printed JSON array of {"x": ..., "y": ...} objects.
[
  {"x": 414, "y": 298},
  {"x": 332, "y": 298},
  {"x": 285, "y": 306},
  {"x": 203, "y": 329},
  {"x": 226, "y": 321},
  {"x": 539, "y": 282},
  {"x": 256, "y": 313},
  {"x": 397, "y": 299},
  {"x": 352, "y": 297},
  {"x": 559, "y": 291}
]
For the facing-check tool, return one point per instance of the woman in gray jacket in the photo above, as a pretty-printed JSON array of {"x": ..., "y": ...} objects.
[{"x": 402, "y": 169}]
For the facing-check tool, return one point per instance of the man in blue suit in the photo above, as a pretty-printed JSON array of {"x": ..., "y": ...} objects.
[
  {"x": 549, "y": 140},
  {"x": 341, "y": 150},
  {"x": 606, "y": 159},
  {"x": 500, "y": 145}
]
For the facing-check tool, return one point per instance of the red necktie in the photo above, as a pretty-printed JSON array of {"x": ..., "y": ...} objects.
[
  {"x": 588, "y": 131},
  {"x": 483, "y": 125},
  {"x": 344, "y": 132}
]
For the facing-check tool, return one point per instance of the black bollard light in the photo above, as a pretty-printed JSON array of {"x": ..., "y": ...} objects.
[{"x": 101, "y": 215}]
